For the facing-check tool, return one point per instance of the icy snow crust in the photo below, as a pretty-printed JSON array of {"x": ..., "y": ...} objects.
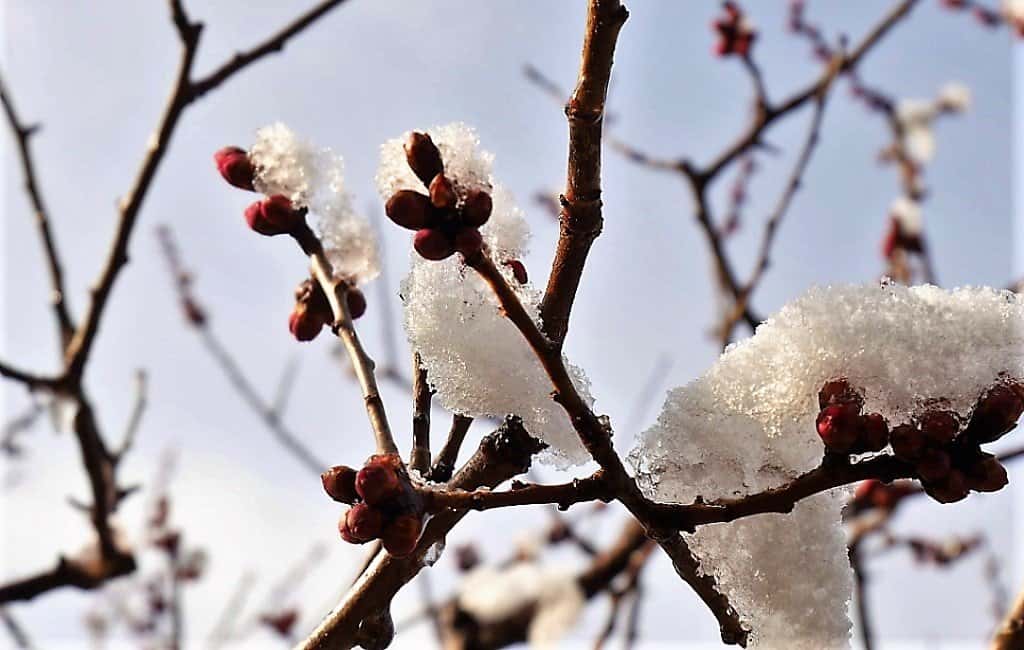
[
  {"x": 477, "y": 361},
  {"x": 313, "y": 177},
  {"x": 748, "y": 425}
]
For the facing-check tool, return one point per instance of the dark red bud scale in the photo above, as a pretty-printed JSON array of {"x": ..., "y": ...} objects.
[
  {"x": 518, "y": 270},
  {"x": 364, "y": 522},
  {"x": 995, "y": 414},
  {"x": 837, "y": 426},
  {"x": 235, "y": 167},
  {"x": 340, "y": 484},
  {"x": 274, "y": 216},
  {"x": 304, "y": 323},
  {"x": 432, "y": 244},
  {"x": 953, "y": 488},
  {"x": 377, "y": 482},
  {"x": 908, "y": 442},
  {"x": 934, "y": 465},
  {"x": 409, "y": 209},
  {"x": 939, "y": 427},
  {"x": 423, "y": 157},
  {"x": 987, "y": 475},
  {"x": 874, "y": 432},
  {"x": 356, "y": 302},
  {"x": 476, "y": 209},
  {"x": 401, "y": 535},
  {"x": 838, "y": 391}
]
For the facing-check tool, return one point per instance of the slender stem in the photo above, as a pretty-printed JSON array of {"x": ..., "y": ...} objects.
[
  {"x": 363, "y": 366},
  {"x": 444, "y": 464},
  {"x": 419, "y": 459},
  {"x": 581, "y": 219}
]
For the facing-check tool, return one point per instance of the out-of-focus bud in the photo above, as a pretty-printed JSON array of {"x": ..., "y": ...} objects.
[
  {"x": 235, "y": 167},
  {"x": 477, "y": 208},
  {"x": 432, "y": 244},
  {"x": 274, "y": 215},
  {"x": 340, "y": 484},
  {"x": 409, "y": 209}
]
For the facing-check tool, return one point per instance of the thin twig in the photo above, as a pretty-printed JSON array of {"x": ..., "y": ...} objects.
[
  {"x": 444, "y": 464},
  {"x": 419, "y": 458}
]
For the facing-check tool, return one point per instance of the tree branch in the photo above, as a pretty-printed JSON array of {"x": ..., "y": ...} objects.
[
  {"x": 58, "y": 297},
  {"x": 580, "y": 218}
]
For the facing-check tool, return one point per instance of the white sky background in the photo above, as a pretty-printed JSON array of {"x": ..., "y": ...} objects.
[{"x": 96, "y": 75}]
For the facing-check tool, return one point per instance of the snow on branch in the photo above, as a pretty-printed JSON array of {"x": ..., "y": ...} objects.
[
  {"x": 476, "y": 359},
  {"x": 750, "y": 423}
]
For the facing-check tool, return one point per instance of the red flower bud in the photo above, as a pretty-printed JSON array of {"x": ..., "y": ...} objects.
[
  {"x": 987, "y": 475},
  {"x": 423, "y": 157},
  {"x": 235, "y": 167},
  {"x": 401, "y": 535},
  {"x": 518, "y": 270},
  {"x": 995, "y": 414},
  {"x": 934, "y": 465},
  {"x": 409, "y": 209},
  {"x": 839, "y": 391},
  {"x": 476, "y": 209},
  {"x": 340, "y": 484},
  {"x": 433, "y": 244},
  {"x": 377, "y": 482},
  {"x": 837, "y": 426},
  {"x": 908, "y": 442},
  {"x": 442, "y": 193},
  {"x": 364, "y": 522},
  {"x": 874, "y": 432},
  {"x": 939, "y": 427},
  {"x": 305, "y": 323},
  {"x": 953, "y": 488},
  {"x": 274, "y": 216},
  {"x": 356, "y": 302},
  {"x": 468, "y": 241}
]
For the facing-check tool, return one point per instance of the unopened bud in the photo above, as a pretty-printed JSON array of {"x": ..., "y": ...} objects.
[
  {"x": 837, "y": 426},
  {"x": 423, "y": 157},
  {"x": 874, "y": 432},
  {"x": 409, "y": 209},
  {"x": 908, "y": 442},
  {"x": 995, "y": 414},
  {"x": 274, "y": 216},
  {"x": 401, "y": 535},
  {"x": 432, "y": 244},
  {"x": 987, "y": 475},
  {"x": 305, "y": 323},
  {"x": 939, "y": 427},
  {"x": 364, "y": 522},
  {"x": 340, "y": 484},
  {"x": 356, "y": 302},
  {"x": 953, "y": 488},
  {"x": 377, "y": 483},
  {"x": 235, "y": 167},
  {"x": 934, "y": 465},
  {"x": 518, "y": 270},
  {"x": 476, "y": 209}
]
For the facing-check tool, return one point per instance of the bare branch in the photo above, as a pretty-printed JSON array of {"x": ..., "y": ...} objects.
[
  {"x": 362, "y": 364},
  {"x": 444, "y": 464},
  {"x": 420, "y": 456},
  {"x": 1011, "y": 633},
  {"x": 581, "y": 219},
  {"x": 58, "y": 297}
]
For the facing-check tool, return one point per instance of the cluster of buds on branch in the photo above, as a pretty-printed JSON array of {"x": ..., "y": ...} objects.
[
  {"x": 736, "y": 34},
  {"x": 448, "y": 218},
  {"x": 312, "y": 310},
  {"x": 384, "y": 503},
  {"x": 944, "y": 451},
  {"x": 278, "y": 215}
]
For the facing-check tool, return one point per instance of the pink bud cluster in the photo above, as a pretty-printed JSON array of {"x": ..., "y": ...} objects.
[
  {"x": 735, "y": 33},
  {"x": 943, "y": 448},
  {"x": 384, "y": 504},
  {"x": 446, "y": 220},
  {"x": 313, "y": 311}
]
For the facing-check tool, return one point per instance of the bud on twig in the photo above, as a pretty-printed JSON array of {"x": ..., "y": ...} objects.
[
  {"x": 274, "y": 215},
  {"x": 235, "y": 167},
  {"x": 340, "y": 484},
  {"x": 423, "y": 157}
]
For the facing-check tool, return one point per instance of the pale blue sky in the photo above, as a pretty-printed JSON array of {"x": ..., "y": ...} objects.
[{"x": 96, "y": 75}]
